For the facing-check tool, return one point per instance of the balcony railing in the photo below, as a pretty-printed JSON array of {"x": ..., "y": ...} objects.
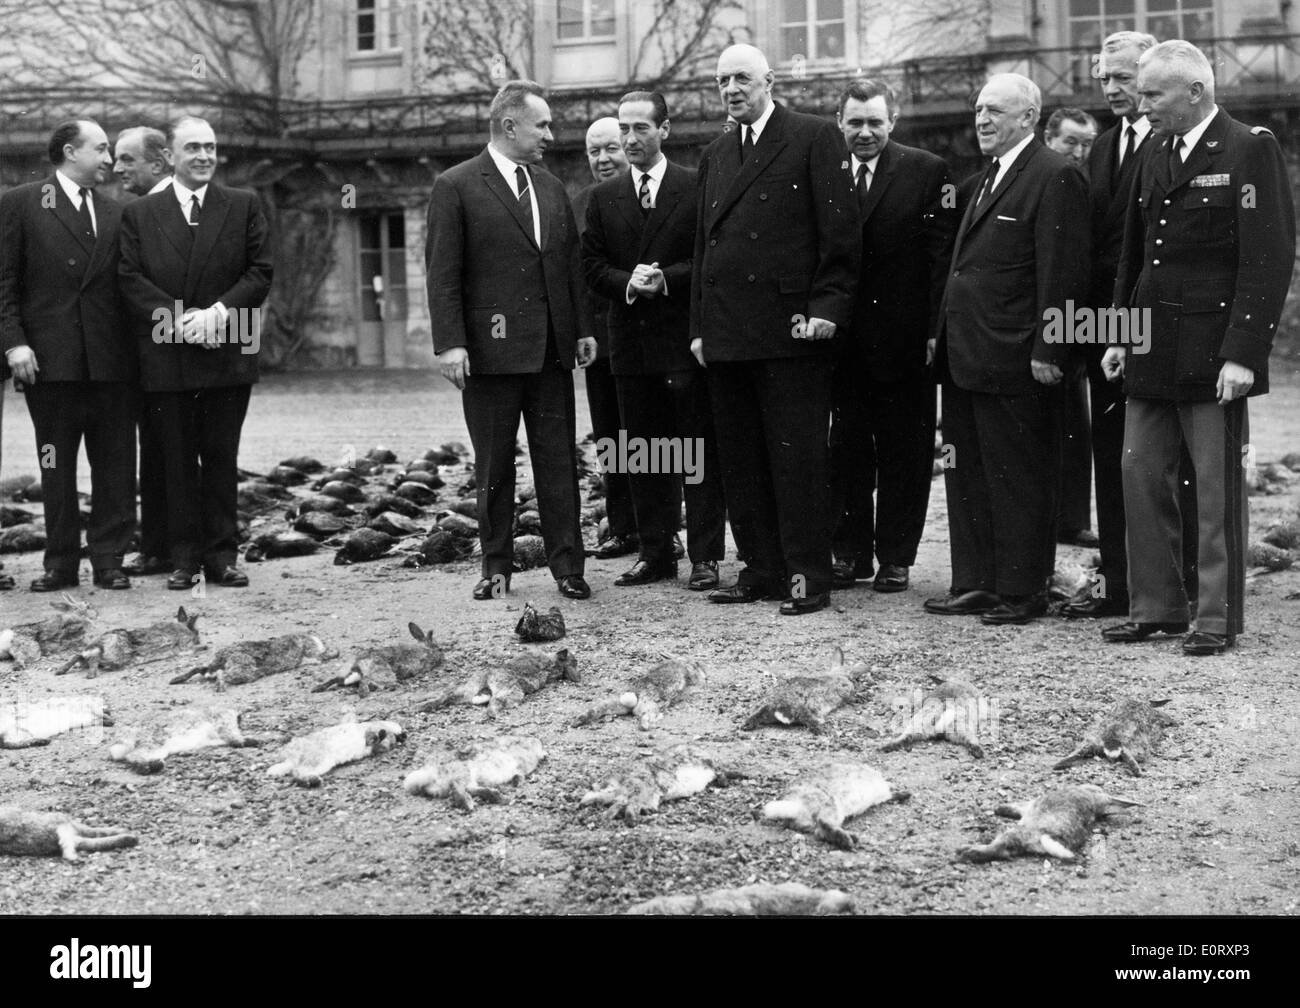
[{"x": 1265, "y": 68}]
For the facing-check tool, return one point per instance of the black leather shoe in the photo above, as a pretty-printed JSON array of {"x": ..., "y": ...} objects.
[
  {"x": 645, "y": 572},
  {"x": 800, "y": 606},
  {"x": 491, "y": 587},
  {"x": 679, "y": 550},
  {"x": 738, "y": 593},
  {"x": 1018, "y": 612},
  {"x": 112, "y": 578},
  {"x": 573, "y": 586},
  {"x": 1199, "y": 642},
  {"x": 704, "y": 576},
  {"x": 616, "y": 546},
  {"x": 229, "y": 576},
  {"x": 891, "y": 578},
  {"x": 55, "y": 581},
  {"x": 963, "y": 603},
  {"x": 843, "y": 574},
  {"x": 1131, "y": 633},
  {"x": 1089, "y": 607},
  {"x": 142, "y": 565},
  {"x": 181, "y": 579}
]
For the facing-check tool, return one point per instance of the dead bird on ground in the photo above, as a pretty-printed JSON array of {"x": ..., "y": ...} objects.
[{"x": 534, "y": 627}]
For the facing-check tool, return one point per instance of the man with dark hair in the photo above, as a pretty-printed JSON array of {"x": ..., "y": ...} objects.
[
  {"x": 1209, "y": 247},
  {"x": 637, "y": 248},
  {"x": 776, "y": 259},
  {"x": 606, "y": 159},
  {"x": 64, "y": 341},
  {"x": 141, "y": 164},
  {"x": 1021, "y": 252},
  {"x": 196, "y": 270},
  {"x": 505, "y": 289},
  {"x": 882, "y": 440},
  {"x": 1071, "y": 132}
]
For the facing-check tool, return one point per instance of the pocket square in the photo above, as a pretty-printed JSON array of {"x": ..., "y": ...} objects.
[{"x": 1000, "y": 217}]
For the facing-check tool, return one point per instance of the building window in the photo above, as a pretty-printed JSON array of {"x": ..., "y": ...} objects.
[
  {"x": 383, "y": 267},
  {"x": 813, "y": 29},
  {"x": 584, "y": 20},
  {"x": 1091, "y": 21},
  {"x": 378, "y": 25}
]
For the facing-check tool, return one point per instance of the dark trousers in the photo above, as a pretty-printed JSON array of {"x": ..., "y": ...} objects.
[
  {"x": 882, "y": 443},
  {"x": 772, "y": 418},
  {"x": 103, "y": 414},
  {"x": 602, "y": 400},
  {"x": 198, "y": 430},
  {"x": 493, "y": 405},
  {"x": 1075, "y": 509},
  {"x": 1108, "y": 412},
  {"x": 675, "y": 406},
  {"x": 1214, "y": 437},
  {"x": 1002, "y": 485},
  {"x": 153, "y": 488}
]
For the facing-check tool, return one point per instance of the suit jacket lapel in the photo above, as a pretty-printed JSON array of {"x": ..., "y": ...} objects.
[
  {"x": 882, "y": 176},
  {"x": 769, "y": 145},
  {"x": 665, "y": 204},
  {"x": 172, "y": 223},
  {"x": 211, "y": 219},
  {"x": 505, "y": 194},
  {"x": 106, "y": 219},
  {"x": 1007, "y": 182},
  {"x": 67, "y": 216},
  {"x": 628, "y": 207}
]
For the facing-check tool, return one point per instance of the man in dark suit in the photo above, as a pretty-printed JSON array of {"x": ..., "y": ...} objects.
[
  {"x": 63, "y": 336},
  {"x": 505, "y": 289},
  {"x": 1021, "y": 252},
  {"x": 1209, "y": 246},
  {"x": 606, "y": 159},
  {"x": 1072, "y": 132},
  {"x": 141, "y": 164},
  {"x": 196, "y": 269},
  {"x": 637, "y": 248},
  {"x": 776, "y": 259},
  {"x": 882, "y": 440}
]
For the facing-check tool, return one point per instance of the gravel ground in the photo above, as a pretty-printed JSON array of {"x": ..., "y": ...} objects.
[{"x": 1216, "y": 832}]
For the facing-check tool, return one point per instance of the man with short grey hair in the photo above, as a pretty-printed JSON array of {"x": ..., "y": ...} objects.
[
  {"x": 1021, "y": 253},
  {"x": 1209, "y": 247},
  {"x": 510, "y": 319}
]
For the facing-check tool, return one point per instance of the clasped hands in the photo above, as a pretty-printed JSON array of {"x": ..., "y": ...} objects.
[
  {"x": 203, "y": 327},
  {"x": 647, "y": 280}
]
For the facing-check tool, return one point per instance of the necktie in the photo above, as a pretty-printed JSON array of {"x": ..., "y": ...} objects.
[
  {"x": 83, "y": 214},
  {"x": 1125, "y": 159},
  {"x": 1175, "y": 159},
  {"x": 195, "y": 207},
  {"x": 862, "y": 184},
  {"x": 747, "y": 142},
  {"x": 1130, "y": 137},
  {"x": 988, "y": 184},
  {"x": 525, "y": 202},
  {"x": 643, "y": 195}
]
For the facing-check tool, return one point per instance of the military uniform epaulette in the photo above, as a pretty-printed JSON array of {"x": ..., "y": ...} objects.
[{"x": 1263, "y": 129}]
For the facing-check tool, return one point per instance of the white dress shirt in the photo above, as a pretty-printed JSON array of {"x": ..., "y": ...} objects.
[
  {"x": 74, "y": 197},
  {"x": 183, "y": 196},
  {"x": 507, "y": 169},
  {"x": 656, "y": 177},
  {"x": 871, "y": 169},
  {"x": 1194, "y": 134},
  {"x": 758, "y": 125},
  {"x": 1005, "y": 161},
  {"x": 1140, "y": 130}
]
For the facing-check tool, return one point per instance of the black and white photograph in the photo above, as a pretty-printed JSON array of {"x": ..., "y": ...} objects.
[{"x": 593, "y": 458}]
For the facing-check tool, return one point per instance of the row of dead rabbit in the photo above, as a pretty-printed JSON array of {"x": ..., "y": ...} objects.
[{"x": 1057, "y": 824}]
